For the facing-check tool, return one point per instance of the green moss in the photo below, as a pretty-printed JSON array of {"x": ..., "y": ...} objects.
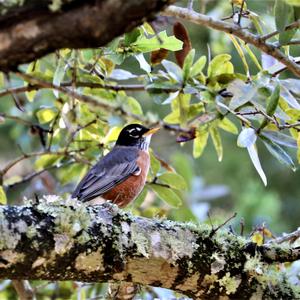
[
  {"x": 230, "y": 283},
  {"x": 70, "y": 216}
]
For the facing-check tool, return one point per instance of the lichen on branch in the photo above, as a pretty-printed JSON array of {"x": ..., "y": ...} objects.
[{"x": 59, "y": 239}]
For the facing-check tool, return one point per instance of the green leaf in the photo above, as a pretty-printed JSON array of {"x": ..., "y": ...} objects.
[
  {"x": 143, "y": 63},
  {"x": 256, "y": 162},
  {"x": 188, "y": 62},
  {"x": 272, "y": 101},
  {"x": 216, "y": 138},
  {"x": 112, "y": 134},
  {"x": 120, "y": 74},
  {"x": 173, "y": 70},
  {"x": 148, "y": 28},
  {"x": 1, "y": 79},
  {"x": 45, "y": 115},
  {"x": 200, "y": 143},
  {"x": 141, "y": 197},
  {"x": 173, "y": 117},
  {"x": 284, "y": 15},
  {"x": 198, "y": 66},
  {"x": 30, "y": 95},
  {"x": 58, "y": 75},
  {"x": 3, "y": 199},
  {"x": 242, "y": 93},
  {"x": 47, "y": 160},
  {"x": 133, "y": 106},
  {"x": 278, "y": 153},
  {"x": 171, "y": 97},
  {"x": 228, "y": 126},
  {"x": 33, "y": 66},
  {"x": 241, "y": 53},
  {"x": 220, "y": 65},
  {"x": 144, "y": 44},
  {"x": 154, "y": 163},
  {"x": 293, "y": 2},
  {"x": 132, "y": 36},
  {"x": 173, "y": 180},
  {"x": 298, "y": 150},
  {"x": 246, "y": 138},
  {"x": 280, "y": 138},
  {"x": 72, "y": 172},
  {"x": 167, "y": 195},
  {"x": 288, "y": 97},
  {"x": 253, "y": 57}
]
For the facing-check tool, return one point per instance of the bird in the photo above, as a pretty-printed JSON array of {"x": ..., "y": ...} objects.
[{"x": 120, "y": 175}]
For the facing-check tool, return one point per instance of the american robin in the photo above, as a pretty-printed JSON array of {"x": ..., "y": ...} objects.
[{"x": 121, "y": 174}]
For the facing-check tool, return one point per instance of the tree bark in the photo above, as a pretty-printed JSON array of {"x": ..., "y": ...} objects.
[
  {"x": 66, "y": 240},
  {"x": 31, "y": 30}
]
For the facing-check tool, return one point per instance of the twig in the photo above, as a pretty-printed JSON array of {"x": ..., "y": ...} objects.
[
  {"x": 23, "y": 289},
  {"x": 291, "y": 42},
  {"x": 242, "y": 225},
  {"x": 17, "y": 119},
  {"x": 36, "y": 154},
  {"x": 283, "y": 69},
  {"x": 293, "y": 25},
  {"x": 76, "y": 131},
  {"x": 214, "y": 230},
  {"x": 51, "y": 130},
  {"x": 30, "y": 176},
  {"x": 92, "y": 85},
  {"x": 80, "y": 97},
  {"x": 190, "y": 4},
  {"x": 287, "y": 237},
  {"x": 241, "y": 13},
  {"x": 235, "y": 30}
]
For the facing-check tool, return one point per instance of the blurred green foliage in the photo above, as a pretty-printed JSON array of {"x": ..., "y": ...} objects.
[{"x": 223, "y": 94}]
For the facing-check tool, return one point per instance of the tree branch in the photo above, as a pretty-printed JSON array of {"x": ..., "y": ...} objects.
[
  {"x": 246, "y": 36},
  {"x": 23, "y": 289},
  {"x": 58, "y": 239},
  {"x": 32, "y": 31}
]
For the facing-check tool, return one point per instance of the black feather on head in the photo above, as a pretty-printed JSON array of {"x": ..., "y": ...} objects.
[{"x": 132, "y": 135}]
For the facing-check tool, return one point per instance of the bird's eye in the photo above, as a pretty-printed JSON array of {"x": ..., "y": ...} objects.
[{"x": 134, "y": 133}]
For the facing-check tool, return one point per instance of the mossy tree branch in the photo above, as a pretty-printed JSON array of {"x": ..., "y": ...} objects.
[{"x": 65, "y": 240}]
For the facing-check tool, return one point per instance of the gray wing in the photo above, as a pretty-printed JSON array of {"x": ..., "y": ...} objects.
[{"x": 111, "y": 170}]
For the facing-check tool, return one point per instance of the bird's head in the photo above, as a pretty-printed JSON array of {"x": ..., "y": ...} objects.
[{"x": 136, "y": 135}]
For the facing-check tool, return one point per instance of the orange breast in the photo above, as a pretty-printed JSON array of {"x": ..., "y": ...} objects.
[{"x": 128, "y": 190}]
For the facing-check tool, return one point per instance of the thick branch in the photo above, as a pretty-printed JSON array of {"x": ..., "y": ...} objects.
[
  {"x": 235, "y": 30},
  {"x": 27, "y": 34},
  {"x": 65, "y": 240}
]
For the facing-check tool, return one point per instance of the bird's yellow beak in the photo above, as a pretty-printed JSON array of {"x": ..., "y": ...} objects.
[{"x": 151, "y": 131}]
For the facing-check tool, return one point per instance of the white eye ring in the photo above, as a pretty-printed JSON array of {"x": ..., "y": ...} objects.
[{"x": 134, "y": 136}]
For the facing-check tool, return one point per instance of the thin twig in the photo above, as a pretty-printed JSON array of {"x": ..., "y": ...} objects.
[
  {"x": 30, "y": 176},
  {"x": 23, "y": 289},
  {"x": 241, "y": 13},
  {"x": 214, "y": 230},
  {"x": 92, "y": 85},
  {"x": 37, "y": 154},
  {"x": 293, "y": 25},
  {"x": 246, "y": 36},
  {"x": 287, "y": 237},
  {"x": 80, "y": 97}
]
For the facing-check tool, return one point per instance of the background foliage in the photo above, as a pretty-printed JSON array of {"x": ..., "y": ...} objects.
[{"x": 229, "y": 124}]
